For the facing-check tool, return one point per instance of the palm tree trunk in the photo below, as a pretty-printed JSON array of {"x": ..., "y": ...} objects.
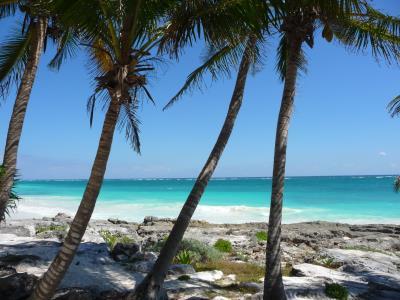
[
  {"x": 151, "y": 286},
  {"x": 47, "y": 285},
  {"x": 18, "y": 114},
  {"x": 273, "y": 284}
]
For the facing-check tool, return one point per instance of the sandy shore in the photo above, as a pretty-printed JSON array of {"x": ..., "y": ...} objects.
[{"x": 365, "y": 259}]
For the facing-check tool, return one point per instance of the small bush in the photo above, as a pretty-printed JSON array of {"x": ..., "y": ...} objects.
[
  {"x": 330, "y": 263},
  {"x": 201, "y": 252},
  {"x": 184, "y": 277},
  {"x": 336, "y": 291},
  {"x": 112, "y": 239},
  {"x": 184, "y": 257},
  {"x": 262, "y": 235},
  {"x": 223, "y": 246},
  {"x": 52, "y": 227}
]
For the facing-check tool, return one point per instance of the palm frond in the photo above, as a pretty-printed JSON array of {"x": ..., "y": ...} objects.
[
  {"x": 213, "y": 21},
  {"x": 394, "y": 107},
  {"x": 370, "y": 30},
  {"x": 11, "y": 204},
  {"x": 282, "y": 56},
  {"x": 8, "y": 8},
  {"x": 67, "y": 47},
  {"x": 219, "y": 63},
  {"x": 130, "y": 123},
  {"x": 13, "y": 56}
]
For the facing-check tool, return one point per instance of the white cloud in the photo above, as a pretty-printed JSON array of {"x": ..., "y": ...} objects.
[{"x": 382, "y": 153}]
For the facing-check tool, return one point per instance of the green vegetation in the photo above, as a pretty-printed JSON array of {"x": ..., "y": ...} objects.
[
  {"x": 242, "y": 289},
  {"x": 184, "y": 277},
  {"x": 223, "y": 246},
  {"x": 262, "y": 235},
  {"x": 329, "y": 262},
  {"x": 112, "y": 239},
  {"x": 336, "y": 291},
  {"x": 11, "y": 204},
  {"x": 51, "y": 227},
  {"x": 245, "y": 272},
  {"x": 184, "y": 257}
]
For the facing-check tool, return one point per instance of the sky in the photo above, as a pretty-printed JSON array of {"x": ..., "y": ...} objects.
[{"x": 340, "y": 124}]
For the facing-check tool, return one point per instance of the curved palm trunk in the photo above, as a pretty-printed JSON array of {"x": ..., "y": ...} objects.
[
  {"x": 47, "y": 285},
  {"x": 18, "y": 114},
  {"x": 273, "y": 284},
  {"x": 151, "y": 286}
]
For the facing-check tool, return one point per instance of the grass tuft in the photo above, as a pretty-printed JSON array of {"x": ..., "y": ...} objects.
[
  {"x": 185, "y": 257},
  {"x": 51, "y": 227},
  {"x": 223, "y": 245},
  {"x": 336, "y": 291},
  {"x": 262, "y": 235},
  {"x": 112, "y": 239},
  {"x": 245, "y": 272}
]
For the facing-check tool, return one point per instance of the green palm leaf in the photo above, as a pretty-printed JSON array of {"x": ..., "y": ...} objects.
[{"x": 13, "y": 55}]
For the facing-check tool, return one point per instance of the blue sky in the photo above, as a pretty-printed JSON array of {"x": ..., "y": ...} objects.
[{"x": 340, "y": 124}]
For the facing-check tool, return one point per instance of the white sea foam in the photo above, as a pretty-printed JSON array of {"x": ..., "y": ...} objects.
[{"x": 35, "y": 206}]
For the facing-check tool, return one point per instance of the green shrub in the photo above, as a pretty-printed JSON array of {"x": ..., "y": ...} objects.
[
  {"x": 330, "y": 263},
  {"x": 223, "y": 246},
  {"x": 262, "y": 235},
  {"x": 184, "y": 257},
  {"x": 51, "y": 227},
  {"x": 336, "y": 291},
  {"x": 200, "y": 251},
  {"x": 184, "y": 277},
  {"x": 112, "y": 239}
]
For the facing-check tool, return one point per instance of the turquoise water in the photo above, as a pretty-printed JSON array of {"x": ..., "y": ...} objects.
[{"x": 353, "y": 199}]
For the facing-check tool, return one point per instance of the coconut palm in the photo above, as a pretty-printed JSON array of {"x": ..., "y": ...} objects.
[
  {"x": 151, "y": 286},
  {"x": 356, "y": 25},
  {"x": 19, "y": 60},
  {"x": 119, "y": 37},
  {"x": 223, "y": 57}
]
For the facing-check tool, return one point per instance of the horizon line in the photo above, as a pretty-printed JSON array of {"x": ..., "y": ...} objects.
[{"x": 216, "y": 177}]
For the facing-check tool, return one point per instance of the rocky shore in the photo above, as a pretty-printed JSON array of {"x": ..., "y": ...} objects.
[{"x": 216, "y": 261}]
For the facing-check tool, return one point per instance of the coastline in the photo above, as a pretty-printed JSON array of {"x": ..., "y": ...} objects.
[
  {"x": 218, "y": 214},
  {"x": 363, "y": 258},
  {"x": 346, "y": 199}
]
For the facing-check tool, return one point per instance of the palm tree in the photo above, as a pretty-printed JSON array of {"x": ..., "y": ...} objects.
[
  {"x": 119, "y": 36},
  {"x": 151, "y": 286},
  {"x": 353, "y": 23},
  {"x": 223, "y": 57},
  {"x": 19, "y": 59}
]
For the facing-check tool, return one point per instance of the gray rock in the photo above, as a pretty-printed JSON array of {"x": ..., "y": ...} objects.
[
  {"x": 127, "y": 250},
  {"x": 17, "y": 286},
  {"x": 7, "y": 271},
  {"x": 17, "y": 230},
  {"x": 62, "y": 217},
  {"x": 181, "y": 269},
  {"x": 116, "y": 221},
  {"x": 111, "y": 295},
  {"x": 16, "y": 259},
  {"x": 142, "y": 266},
  {"x": 73, "y": 294},
  {"x": 149, "y": 256}
]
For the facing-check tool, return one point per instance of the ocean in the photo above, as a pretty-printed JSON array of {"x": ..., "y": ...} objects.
[{"x": 350, "y": 199}]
